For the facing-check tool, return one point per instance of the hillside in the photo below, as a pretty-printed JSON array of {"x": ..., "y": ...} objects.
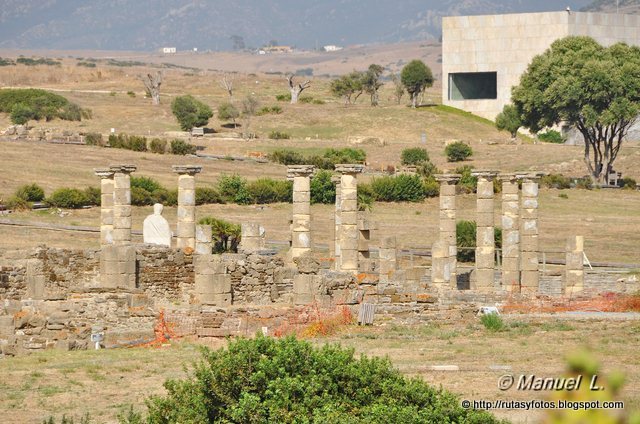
[{"x": 210, "y": 25}]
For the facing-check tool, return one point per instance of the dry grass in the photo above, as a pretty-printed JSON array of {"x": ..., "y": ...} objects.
[{"x": 74, "y": 383}]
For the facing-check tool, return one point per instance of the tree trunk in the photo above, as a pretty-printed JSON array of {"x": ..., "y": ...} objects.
[
  {"x": 152, "y": 84},
  {"x": 295, "y": 92},
  {"x": 374, "y": 99},
  {"x": 414, "y": 100}
]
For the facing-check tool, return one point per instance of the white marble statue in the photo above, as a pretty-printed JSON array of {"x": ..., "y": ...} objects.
[{"x": 155, "y": 229}]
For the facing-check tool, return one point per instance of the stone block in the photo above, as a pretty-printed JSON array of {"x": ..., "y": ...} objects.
[
  {"x": 186, "y": 182},
  {"x": 529, "y": 243},
  {"x": 186, "y": 230},
  {"x": 303, "y": 283},
  {"x": 447, "y": 202},
  {"x": 216, "y": 299},
  {"x": 529, "y": 261},
  {"x": 485, "y": 259},
  {"x": 447, "y": 190},
  {"x": 485, "y": 236},
  {"x": 529, "y": 189},
  {"x": 529, "y": 281},
  {"x": 484, "y": 279}
]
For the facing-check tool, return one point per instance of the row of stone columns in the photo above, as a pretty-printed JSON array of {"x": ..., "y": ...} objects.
[{"x": 519, "y": 236}]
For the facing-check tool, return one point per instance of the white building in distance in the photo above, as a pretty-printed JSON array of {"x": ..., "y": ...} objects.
[
  {"x": 483, "y": 57},
  {"x": 168, "y": 50}
]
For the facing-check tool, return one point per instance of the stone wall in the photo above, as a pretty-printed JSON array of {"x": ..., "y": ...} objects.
[{"x": 165, "y": 273}]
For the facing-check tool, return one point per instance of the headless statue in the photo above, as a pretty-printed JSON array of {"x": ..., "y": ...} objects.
[{"x": 155, "y": 229}]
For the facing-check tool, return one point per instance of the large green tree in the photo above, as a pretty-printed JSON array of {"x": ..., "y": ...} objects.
[
  {"x": 416, "y": 77},
  {"x": 190, "y": 112},
  {"x": 371, "y": 82},
  {"x": 581, "y": 83},
  {"x": 348, "y": 86}
]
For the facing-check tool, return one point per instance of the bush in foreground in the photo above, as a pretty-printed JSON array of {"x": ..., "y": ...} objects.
[
  {"x": 30, "y": 193},
  {"x": 287, "y": 380},
  {"x": 68, "y": 198}
]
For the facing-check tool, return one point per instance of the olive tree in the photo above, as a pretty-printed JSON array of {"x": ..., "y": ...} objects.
[
  {"x": 509, "y": 120},
  {"x": 416, "y": 77},
  {"x": 581, "y": 83},
  {"x": 190, "y": 112}
]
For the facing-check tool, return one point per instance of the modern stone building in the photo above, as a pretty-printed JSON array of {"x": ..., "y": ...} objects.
[{"x": 484, "y": 56}]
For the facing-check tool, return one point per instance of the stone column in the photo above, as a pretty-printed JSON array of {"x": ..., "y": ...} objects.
[
  {"x": 485, "y": 238},
  {"x": 301, "y": 217},
  {"x": 510, "y": 233},
  {"x": 441, "y": 265},
  {"x": 252, "y": 237},
  {"x": 448, "y": 224},
  {"x": 106, "y": 205},
  {"x": 348, "y": 232},
  {"x": 204, "y": 239},
  {"x": 387, "y": 257},
  {"x": 529, "y": 278},
  {"x": 186, "y": 231},
  {"x": 336, "y": 227},
  {"x": 365, "y": 228},
  {"x": 122, "y": 203},
  {"x": 574, "y": 265}
]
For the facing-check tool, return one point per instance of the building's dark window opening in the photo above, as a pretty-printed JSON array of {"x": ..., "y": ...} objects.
[{"x": 473, "y": 85}]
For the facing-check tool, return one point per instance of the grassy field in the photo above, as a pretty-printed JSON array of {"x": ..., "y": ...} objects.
[{"x": 104, "y": 383}]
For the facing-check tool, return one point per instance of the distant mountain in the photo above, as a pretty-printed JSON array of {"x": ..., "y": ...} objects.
[
  {"x": 631, "y": 7},
  {"x": 221, "y": 25}
]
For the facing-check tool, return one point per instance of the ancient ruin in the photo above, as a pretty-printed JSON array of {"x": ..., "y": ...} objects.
[{"x": 55, "y": 297}]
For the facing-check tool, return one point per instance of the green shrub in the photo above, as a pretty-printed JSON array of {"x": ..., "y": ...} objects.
[
  {"x": 427, "y": 169},
  {"x": 492, "y": 322},
  {"x": 30, "y": 193},
  {"x": 400, "y": 188},
  {"x": 179, "y": 147},
  {"x": 466, "y": 240},
  {"x": 288, "y": 381},
  {"x": 555, "y": 181},
  {"x": 28, "y": 61},
  {"x": 345, "y": 155},
  {"x": 279, "y": 135},
  {"x": 145, "y": 183},
  {"x": 309, "y": 100},
  {"x": 7, "y": 62},
  {"x": 68, "y": 198},
  {"x": 366, "y": 197},
  {"x": 431, "y": 187},
  {"x": 225, "y": 235},
  {"x": 266, "y": 190},
  {"x": 39, "y": 104},
  {"x": 93, "y": 139},
  {"x": 21, "y": 114},
  {"x": 318, "y": 102},
  {"x": 584, "y": 183},
  {"x": 131, "y": 94},
  {"x": 190, "y": 112},
  {"x": 141, "y": 197},
  {"x": 287, "y": 157},
  {"x": 158, "y": 145},
  {"x": 16, "y": 203},
  {"x": 137, "y": 143},
  {"x": 266, "y": 110},
  {"x": 467, "y": 183},
  {"x": 207, "y": 196},
  {"x": 283, "y": 97},
  {"x": 128, "y": 142},
  {"x": 414, "y": 156},
  {"x": 458, "y": 151},
  {"x": 93, "y": 195},
  {"x": 227, "y": 111},
  {"x": 167, "y": 197},
  {"x": 320, "y": 162},
  {"x": 323, "y": 190},
  {"x": 233, "y": 189},
  {"x": 551, "y": 136},
  {"x": 629, "y": 183}
]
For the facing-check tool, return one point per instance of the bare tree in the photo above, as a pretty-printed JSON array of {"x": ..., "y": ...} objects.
[
  {"x": 152, "y": 84},
  {"x": 296, "y": 89},
  {"x": 398, "y": 88},
  {"x": 227, "y": 83}
]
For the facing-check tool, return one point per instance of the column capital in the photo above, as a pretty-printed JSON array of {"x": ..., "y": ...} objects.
[
  {"x": 531, "y": 176},
  {"x": 126, "y": 168},
  {"x": 448, "y": 178},
  {"x": 300, "y": 171},
  {"x": 349, "y": 168},
  {"x": 485, "y": 174},
  {"x": 104, "y": 172},
  {"x": 186, "y": 169},
  {"x": 509, "y": 177}
]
